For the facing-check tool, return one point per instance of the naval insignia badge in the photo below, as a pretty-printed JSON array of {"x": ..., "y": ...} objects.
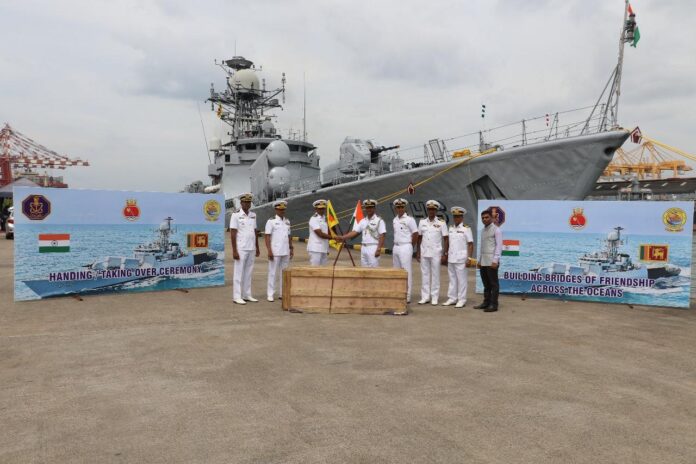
[
  {"x": 212, "y": 210},
  {"x": 577, "y": 220},
  {"x": 36, "y": 207},
  {"x": 674, "y": 219},
  {"x": 131, "y": 211}
]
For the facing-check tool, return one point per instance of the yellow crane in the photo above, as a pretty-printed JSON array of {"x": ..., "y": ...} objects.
[{"x": 649, "y": 160}]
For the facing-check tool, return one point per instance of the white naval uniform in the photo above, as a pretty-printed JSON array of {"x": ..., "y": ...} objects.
[
  {"x": 279, "y": 230},
  {"x": 371, "y": 229},
  {"x": 317, "y": 247},
  {"x": 459, "y": 238},
  {"x": 402, "y": 252},
  {"x": 246, "y": 247},
  {"x": 432, "y": 234}
]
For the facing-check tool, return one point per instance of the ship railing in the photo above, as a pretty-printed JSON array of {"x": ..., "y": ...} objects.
[{"x": 539, "y": 129}]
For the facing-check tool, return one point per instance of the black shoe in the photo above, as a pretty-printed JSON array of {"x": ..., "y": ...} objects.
[
  {"x": 490, "y": 309},
  {"x": 481, "y": 306}
]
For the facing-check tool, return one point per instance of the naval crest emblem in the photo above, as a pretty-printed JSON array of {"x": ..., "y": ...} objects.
[
  {"x": 36, "y": 207},
  {"x": 212, "y": 210},
  {"x": 131, "y": 211},
  {"x": 498, "y": 215},
  {"x": 577, "y": 220},
  {"x": 674, "y": 219}
]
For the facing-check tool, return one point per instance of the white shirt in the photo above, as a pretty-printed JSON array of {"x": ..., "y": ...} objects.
[
  {"x": 371, "y": 229},
  {"x": 404, "y": 227},
  {"x": 459, "y": 238},
  {"x": 279, "y": 229},
  {"x": 432, "y": 233},
  {"x": 246, "y": 229},
  {"x": 315, "y": 243}
]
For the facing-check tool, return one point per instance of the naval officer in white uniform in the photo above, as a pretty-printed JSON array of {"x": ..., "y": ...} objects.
[
  {"x": 245, "y": 248},
  {"x": 279, "y": 247},
  {"x": 461, "y": 247},
  {"x": 373, "y": 233},
  {"x": 405, "y": 239},
  {"x": 318, "y": 240},
  {"x": 432, "y": 232}
]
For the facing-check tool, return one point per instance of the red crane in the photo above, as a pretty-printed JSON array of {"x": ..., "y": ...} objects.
[{"x": 17, "y": 151}]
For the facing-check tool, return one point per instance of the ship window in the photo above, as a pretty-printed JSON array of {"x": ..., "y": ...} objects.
[
  {"x": 303, "y": 149},
  {"x": 598, "y": 187},
  {"x": 250, "y": 146},
  {"x": 263, "y": 146},
  {"x": 485, "y": 189},
  {"x": 646, "y": 185},
  {"x": 294, "y": 148},
  {"x": 664, "y": 184},
  {"x": 682, "y": 184},
  {"x": 613, "y": 186},
  {"x": 227, "y": 158}
]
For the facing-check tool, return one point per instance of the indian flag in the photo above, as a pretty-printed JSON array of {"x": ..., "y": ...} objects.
[
  {"x": 511, "y": 247},
  {"x": 54, "y": 243}
]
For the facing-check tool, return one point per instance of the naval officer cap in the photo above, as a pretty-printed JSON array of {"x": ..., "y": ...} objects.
[
  {"x": 280, "y": 204},
  {"x": 432, "y": 204},
  {"x": 458, "y": 211},
  {"x": 319, "y": 204},
  {"x": 369, "y": 203},
  {"x": 246, "y": 197},
  {"x": 400, "y": 202}
]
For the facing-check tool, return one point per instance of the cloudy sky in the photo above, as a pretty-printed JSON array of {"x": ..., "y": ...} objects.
[{"x": 120, "y": 83}]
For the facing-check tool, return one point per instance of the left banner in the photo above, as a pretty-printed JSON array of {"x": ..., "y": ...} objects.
[{"x": 71, "y": 241}]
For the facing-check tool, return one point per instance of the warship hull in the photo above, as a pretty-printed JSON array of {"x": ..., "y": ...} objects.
[{"x": 564, "y": 169}]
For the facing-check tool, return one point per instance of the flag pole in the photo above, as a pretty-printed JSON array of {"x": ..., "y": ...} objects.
[{"x": 340, "y": 248}]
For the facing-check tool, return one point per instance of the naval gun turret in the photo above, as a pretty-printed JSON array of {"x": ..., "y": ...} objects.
[{"x": 359, "y": 158}]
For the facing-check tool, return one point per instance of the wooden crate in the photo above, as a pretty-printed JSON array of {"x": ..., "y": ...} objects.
[{"x": 345, "y": 290}]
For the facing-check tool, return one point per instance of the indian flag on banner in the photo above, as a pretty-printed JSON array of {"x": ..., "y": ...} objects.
[
  {"x": 54, "y": 243},
  {"x": 511, "y": 247}
]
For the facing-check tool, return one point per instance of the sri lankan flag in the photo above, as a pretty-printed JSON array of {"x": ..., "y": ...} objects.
[
  {"x": 54, "y": 243},
  {"x": 650, "y": 252},
  {"x": 332, "y": 221},
  {"x": 196, "y": 240},
  {"x": 511, "y": 247}
]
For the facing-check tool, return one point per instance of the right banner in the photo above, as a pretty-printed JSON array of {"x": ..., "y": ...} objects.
[{"x": 610, "y": 251}]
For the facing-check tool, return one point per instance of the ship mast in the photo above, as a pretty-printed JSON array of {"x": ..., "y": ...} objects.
[{"x": 609, "y": 110}]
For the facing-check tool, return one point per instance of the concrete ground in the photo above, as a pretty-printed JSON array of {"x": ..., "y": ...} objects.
[{"x": 176, "y": 377}]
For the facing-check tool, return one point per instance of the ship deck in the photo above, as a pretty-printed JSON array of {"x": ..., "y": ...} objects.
[{"x": 190, "y": 377}]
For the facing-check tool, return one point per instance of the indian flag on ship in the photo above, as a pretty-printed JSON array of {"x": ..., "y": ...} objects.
[
  {"x": 54, "y": 243},
  {"x": 511, "y": 247}
]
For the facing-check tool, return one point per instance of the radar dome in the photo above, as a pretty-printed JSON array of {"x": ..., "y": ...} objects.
[
  {"x": 245, "y": 80},
  {"x": 267, "y": 128},
  {"x": 279, "y": 179},
  {"x": 613, "y": 235},
  {"x": 215, "y": 144},
  {"x": 278, "y": 153}
]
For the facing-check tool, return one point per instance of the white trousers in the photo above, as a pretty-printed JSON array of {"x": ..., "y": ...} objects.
[
  {"x": 430, "y": 278},
  {"x": 317, "y": 258},
  {"x": 457, "y": 282},
  {"x": 275, "y": 271},
  {"x": 367, "y": 256},
  {"x": 402, "y": 258},
  {"x": 243, "y": 268}
]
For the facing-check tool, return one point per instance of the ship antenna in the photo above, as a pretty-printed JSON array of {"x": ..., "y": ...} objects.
[
  {"x": 304, "y": 107},
  {"x": 205, "y": 137}
]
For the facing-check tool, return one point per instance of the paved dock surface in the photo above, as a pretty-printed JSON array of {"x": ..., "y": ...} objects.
[{"x": 176, "y": 377}]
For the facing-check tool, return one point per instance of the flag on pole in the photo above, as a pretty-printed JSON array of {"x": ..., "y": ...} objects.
[
  {"x": 636, "y": 37},
  {"x": 332, "y": 221},
  {"x": 54, "y": 243},
  {"x": 511, "y": 247},
  {"x": 357, "y": 216},
  {"x": 632, "y": 22}
]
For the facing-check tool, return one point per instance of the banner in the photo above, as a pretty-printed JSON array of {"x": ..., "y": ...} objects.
[
  {"x": 91, "y": 241},
  {"x": 634, "y": 252}
]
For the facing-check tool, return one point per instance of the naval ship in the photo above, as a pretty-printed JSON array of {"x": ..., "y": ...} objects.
[
  {"x": 149, "y": 260},
  {"x": 552, "y": 157},
  {"x": 611, "y": 262}
]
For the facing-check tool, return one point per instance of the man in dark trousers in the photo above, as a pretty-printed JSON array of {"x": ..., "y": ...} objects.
[{"x": 489, "y": 261}]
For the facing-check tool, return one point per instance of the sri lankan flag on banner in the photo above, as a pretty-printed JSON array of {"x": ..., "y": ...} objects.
[
  {"x": 196, "y": 240},
  {"x": 650, "y": 252},
  {"x": 54, "y": 243},
  {"x": 511, "y": 247}
]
